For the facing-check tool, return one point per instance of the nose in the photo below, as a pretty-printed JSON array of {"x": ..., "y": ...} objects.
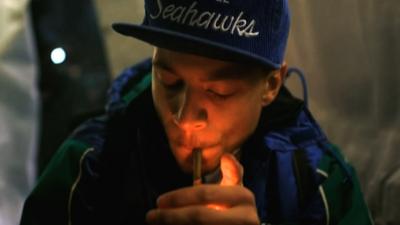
[{"x": 191, "y": 115}]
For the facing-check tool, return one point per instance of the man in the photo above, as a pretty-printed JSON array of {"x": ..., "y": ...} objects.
[{"x": 214, "y": 87}]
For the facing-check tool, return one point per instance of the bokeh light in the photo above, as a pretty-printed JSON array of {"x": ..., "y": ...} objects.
[{"x": 58, "y": 55}]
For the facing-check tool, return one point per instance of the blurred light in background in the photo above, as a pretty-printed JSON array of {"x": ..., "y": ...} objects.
[
  {"x": 58, "y": 55},
  {"x": 73, "y": 69}
]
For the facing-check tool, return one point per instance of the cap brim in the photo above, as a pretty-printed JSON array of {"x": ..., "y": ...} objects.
[{"x": 190, "y": 44}]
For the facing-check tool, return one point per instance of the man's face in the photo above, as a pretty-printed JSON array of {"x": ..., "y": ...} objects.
[{"x": 205, "y": 103}]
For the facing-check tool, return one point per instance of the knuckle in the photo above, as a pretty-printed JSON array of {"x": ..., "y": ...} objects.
[
  {"x": 252, "y": 217},
  {"x": 206, "y": 195},
  {"x": 248, "y": 196},
  {"x": 171, "y": 202},
  {"x": 158, "y": 218},
  {"x": 241, "y": 170}
]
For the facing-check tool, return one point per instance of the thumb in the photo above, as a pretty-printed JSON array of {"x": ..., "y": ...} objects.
[{"x": 232, "y": 171}]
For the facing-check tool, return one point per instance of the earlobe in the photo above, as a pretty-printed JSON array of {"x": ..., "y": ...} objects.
[
  {"x": 284, "y": 70},
  {"x": 266, "y": 98},
  {"x": 265, "y": 101}
]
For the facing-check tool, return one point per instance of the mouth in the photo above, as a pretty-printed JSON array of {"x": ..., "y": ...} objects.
[
  {"x": 207, "y": 151},
  {"x": 196, "y": 160},
  {"x": 195, "y": 139},
  {"x": 198, "y": 143},
  {"x": 208, "y": 158},
  {"x": 184, "y": 144}
]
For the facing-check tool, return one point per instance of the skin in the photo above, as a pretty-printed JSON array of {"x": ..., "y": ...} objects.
[{"x": 213, "y": 105}]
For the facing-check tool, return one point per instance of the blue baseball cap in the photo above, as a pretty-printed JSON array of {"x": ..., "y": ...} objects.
[{"x": 236, "y": 30}]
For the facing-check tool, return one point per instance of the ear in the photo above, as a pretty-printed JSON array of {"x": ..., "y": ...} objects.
[{"x": 273, "y": 84}]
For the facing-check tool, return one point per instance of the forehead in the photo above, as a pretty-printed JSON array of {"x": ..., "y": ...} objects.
[{"x": 207, "y": 68}]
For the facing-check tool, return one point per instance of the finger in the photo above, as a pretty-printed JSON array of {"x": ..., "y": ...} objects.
[
  {"x": 202, "y": 215},
  {"x": 218, "y": 207},
  {"x": 232, "y": 171},
  {"x": 206, "y": 194},
  {"x": 179, "y": 216}
]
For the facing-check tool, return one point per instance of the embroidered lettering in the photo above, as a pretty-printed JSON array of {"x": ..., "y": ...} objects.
[
  {"x": 192, "y": 11},
  {"x": 249, "y": 31},
  {"x": 168, "y": 11},
  {"x": 239, "y": 23},
  {"x": 177, "y": 14},
  {"x": 222, "y": 26},
  {"x": 223, "y": 1},
  {"x": 159, "y": 4},
  {"x": 205, "y": 23},
  {"x": 206, "y": 19}
]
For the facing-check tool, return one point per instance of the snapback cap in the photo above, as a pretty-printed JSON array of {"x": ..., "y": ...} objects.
[{"x": 235, "y": 30}]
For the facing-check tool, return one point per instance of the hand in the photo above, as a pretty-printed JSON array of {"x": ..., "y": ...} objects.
[{"x": 226, "y": 203}]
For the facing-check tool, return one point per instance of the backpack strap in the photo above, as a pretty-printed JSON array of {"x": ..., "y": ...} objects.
[
  {"x": 299, "y": 150},
  {"x": 305, "y": 177}
]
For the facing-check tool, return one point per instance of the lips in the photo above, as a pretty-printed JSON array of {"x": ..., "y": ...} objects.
[
  {"x": 210, "y": 158},
  {"x": 196, "y": 140}
]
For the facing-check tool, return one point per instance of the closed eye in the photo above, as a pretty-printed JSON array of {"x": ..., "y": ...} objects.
[
  {"x": 168, "y": 80},
  {"x": 219, "y": 95},
  {"x": 173, "y": 86}
]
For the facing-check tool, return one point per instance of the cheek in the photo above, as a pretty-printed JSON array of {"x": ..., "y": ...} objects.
[
  {"x": 165, "y": 102},
  {"x": 160, "y": 101},
  {"x": 163, "y": 107},
  {"x": 237, "y": 121}
]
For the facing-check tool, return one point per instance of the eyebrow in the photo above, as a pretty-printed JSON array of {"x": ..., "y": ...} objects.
[
  {"x": 227, "y": 72},
  {"x": 163, "y": 65}
]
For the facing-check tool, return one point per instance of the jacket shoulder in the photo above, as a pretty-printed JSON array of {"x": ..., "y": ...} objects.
[
  {"x": 341, "y": 191},
  {"x": 52, "y": 193},
  {"x": 323, "y": 186},
  {"x": 78, "y": 160}
]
